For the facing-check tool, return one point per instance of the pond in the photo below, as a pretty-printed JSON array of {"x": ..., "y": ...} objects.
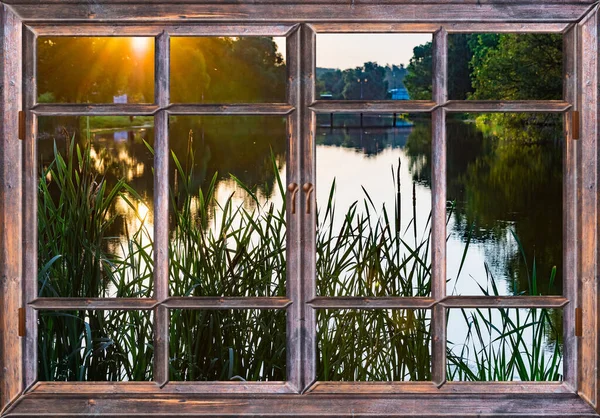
[{"x": 504, "y": 203}]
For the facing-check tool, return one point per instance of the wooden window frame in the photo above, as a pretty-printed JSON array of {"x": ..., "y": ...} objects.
[{"x": 21, "y": 21}]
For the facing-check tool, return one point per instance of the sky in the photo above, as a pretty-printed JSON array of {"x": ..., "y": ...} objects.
[{"x": 352, "y": 50}]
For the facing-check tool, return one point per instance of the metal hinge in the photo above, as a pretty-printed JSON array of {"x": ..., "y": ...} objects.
[
  {"x": 575, "y": 127},
  {"x": 21, "y": 322},
  {"x": 21, "y": 125},
  {"x": 578, "y": 322}
]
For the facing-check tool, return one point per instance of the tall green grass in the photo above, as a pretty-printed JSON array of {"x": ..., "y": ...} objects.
[
  {"x": 508, "y": 344},
  {"x": 75, "y": 212},
  {"x": 220, "y": 248}
]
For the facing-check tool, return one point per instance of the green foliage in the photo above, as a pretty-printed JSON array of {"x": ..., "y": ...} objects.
[
  {"x": 74, "y": 70},
  {"x": 365, "y": 83},
  {"x": 418, "y": 81},
  {"x": 224, "y": 70},
  {"x": 508, "y": 344},
  {"x": 368, "y": 82},
  {"x": 203, "y": 69},
  {"x": 74, "y": 215},
  {"x": 517, "y": 67},
  {"x": 493, "y": 67},
  {"x": 373, "y": 345}
]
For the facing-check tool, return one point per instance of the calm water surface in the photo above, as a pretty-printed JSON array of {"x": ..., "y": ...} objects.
[{"x": 493, "y": 199}]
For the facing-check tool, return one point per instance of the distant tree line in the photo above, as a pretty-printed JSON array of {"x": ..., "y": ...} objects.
[{"x": 370, "y": 81}]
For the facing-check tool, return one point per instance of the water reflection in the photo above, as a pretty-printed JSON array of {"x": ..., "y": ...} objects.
[
  {"x": 502, "y": 180},
  {"x": 228, "y": 214},
  {"x": 504, "y": 176}
]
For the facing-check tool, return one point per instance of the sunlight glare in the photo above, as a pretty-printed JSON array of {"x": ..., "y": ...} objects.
[{"x": 140, "y": 45}]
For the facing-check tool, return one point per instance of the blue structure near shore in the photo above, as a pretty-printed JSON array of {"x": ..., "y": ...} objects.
[{"x": 399, "y": 94}]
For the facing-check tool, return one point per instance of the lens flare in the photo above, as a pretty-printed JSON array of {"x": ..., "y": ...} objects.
[{"x": 140, "y": 45}]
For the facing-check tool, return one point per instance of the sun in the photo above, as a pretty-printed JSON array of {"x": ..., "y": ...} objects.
[{"x": 140, "y": 45}]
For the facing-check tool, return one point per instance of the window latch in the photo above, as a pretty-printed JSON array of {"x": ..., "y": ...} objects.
[
  {"x": 21, "y": 125},
  {"x": 578, "y": 322},
  {"x": 21, "y": 322}
]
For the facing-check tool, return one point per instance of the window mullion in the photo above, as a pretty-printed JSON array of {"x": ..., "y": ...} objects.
[
  {"x": 161, "y": 210},
  {"x": 293, "y": 256},
  {"x": 30, "y": 196},
  {"x": 308, "y": 202},
  {"x": 589, "y": 342},
  {"x": 570, "y": 215},
  {"x": 438, "y": 206}
]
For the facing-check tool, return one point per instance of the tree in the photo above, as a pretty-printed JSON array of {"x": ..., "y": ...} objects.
[
  {"x": 517, "y": 67},
  {"x": 418, "y": 81},
  {"x": 365, "y": 83}
]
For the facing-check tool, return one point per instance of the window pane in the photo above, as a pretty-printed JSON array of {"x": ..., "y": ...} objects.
[
  {"x": 95, "y": 346},
  {"x": 227, "y": 70},
  {"x": 228, "y": 208},
  {"x": 505, "y": 345},
  {"x": 505, "y": 204},
  {"x": 374, "y": 66},
  {"x": 228, "y": 345},
  {"x": 373, "y": 345},
  {"x": 508, "y": 66},
  {"x": 95, "y": 223},
  {"x": 373, "y": 205},
  {"x": 95, "y": 70}
]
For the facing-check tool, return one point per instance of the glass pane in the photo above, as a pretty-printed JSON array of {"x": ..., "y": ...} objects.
[
  {"x": 505, "y": 345},
  {"x": 95, "y": 223},
  {"x": 373, "y": 205},
  {"x": 228, "y": 345},
  {"x": 227, "y": 70},
  {"x": 374, "y": 66},
  {"x": 505, "y": 204},
  {"x": 373, "y": 345},
  {"x": 228, "y": 234},
  {"x": 95, "y": 70},
  {"x": 508, "y": 66},
  {"x": 95, "y": 346}
]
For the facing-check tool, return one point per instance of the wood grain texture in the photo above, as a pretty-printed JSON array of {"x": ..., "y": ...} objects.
[
  {"x": 62, "y": 304},
  {"x": 161, "y": 208},
  {"x": 11, "y": 375},
  {"x": 380, "y": 106},
  {"x": 231, "y": 109},
  {"x": 497, "y": 106},
  {"x": 30, "y": 196},
  {"x": 570, "y": 209},
  {"x": 298, "y": 12},
  {"x": 94, "y": 109},
  {"x": 551, "y": 302},
  {"x": 412, "y": 405},
  {"x": 295, "y": 312},
  {"x": 371, "y": 303},
  {"x": 373, "y": 388},
  {"x": 589, "y": 376},
  {"x": 438, "y": 206},
  {"x": 183, "y": 29},
  {"x": 308, "y": 168},
  {"x": 148, "y": 388},
  {"x": 321, "y": 2},
  {"x": 470, "y": 27},
  {"x": 207, "y": 303}
]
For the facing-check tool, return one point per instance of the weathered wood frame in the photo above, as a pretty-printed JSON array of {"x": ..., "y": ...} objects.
[{"x": 23, "y": 20}]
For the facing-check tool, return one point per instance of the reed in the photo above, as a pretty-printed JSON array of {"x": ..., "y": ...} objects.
[{"x": 223, "y": 248}]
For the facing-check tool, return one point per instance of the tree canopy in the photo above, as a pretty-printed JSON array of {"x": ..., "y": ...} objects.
[{"x": 493, "y": 67}]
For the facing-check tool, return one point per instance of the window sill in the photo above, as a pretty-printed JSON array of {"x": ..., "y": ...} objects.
[{"x": 381, "y": 405}]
